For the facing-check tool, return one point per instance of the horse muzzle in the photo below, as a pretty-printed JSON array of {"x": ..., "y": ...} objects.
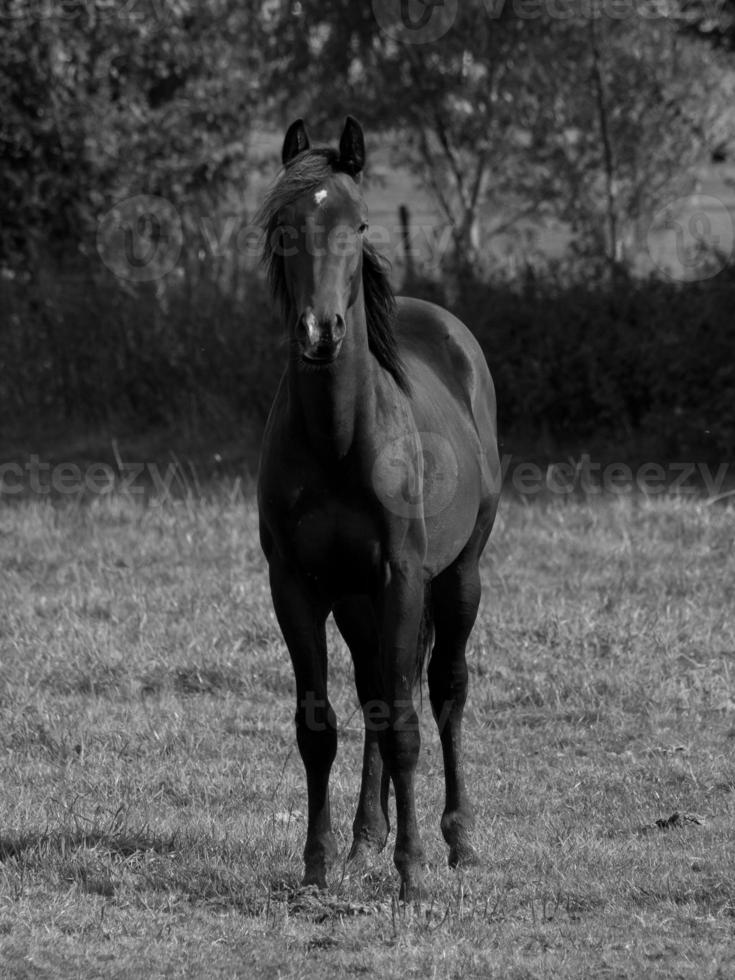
[{"x": 320, "y": 338}]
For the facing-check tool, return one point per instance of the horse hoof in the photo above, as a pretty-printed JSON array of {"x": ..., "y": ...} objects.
[
  {"x": 463, "y": 856},
  {"x": 364, "y": 849},
  {"x": 413, "y": 889},
  {"x": 412, "y": 893},
  {"x": 316, "y": 878},
  {"x": 360, "y": 855},
  {"x": 315, "y": 872}
]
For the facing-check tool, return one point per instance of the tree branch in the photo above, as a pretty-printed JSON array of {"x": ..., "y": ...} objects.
[
  {"x": 431, "y": 178},
  {"x": 601, "y": 102}
]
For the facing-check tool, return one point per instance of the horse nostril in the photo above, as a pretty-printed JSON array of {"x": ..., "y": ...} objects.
[
  {"x": 306, "y": 326},
  {"x": 337, "y": 327}
]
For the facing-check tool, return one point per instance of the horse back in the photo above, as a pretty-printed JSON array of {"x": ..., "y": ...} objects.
[{"x": 446, "y": 364}]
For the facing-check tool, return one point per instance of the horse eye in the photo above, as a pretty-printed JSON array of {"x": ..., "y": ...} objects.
[{"x": 363, "y": 228}]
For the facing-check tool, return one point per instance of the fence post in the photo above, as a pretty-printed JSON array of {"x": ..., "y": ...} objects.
[{"x": 405, "y": 219}]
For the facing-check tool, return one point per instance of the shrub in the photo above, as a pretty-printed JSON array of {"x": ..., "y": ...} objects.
[
  {"x": 99, "y": 351},
  {"x": 646, "y": 364},
  {"x": 645, "y": 367}
]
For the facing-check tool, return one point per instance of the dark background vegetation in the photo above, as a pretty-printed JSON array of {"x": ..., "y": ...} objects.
[{"x": 590, "y": 122}]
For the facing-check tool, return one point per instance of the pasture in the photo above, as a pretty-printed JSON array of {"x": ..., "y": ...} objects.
[{"x": 152, "y": 802}]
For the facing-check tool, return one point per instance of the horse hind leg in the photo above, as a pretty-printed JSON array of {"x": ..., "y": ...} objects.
[
  {"x": 455, "y": 601},
  {"x": 356, "y": 623}
]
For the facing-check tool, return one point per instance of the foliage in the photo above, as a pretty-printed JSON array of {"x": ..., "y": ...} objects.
[
  {"x": 99, "y": 353},
  {"x": 103, "y": 100},
  {"x": 713, "y": 22},
  {"x": 589, "y": 119},
  {"x": 642, "y": 365},
  {"x": 637, "y": 108}
]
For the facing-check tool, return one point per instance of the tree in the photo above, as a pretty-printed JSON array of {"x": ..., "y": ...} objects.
[
  {"x": 585, "y": 118},
  {"x": 103, "y": 100},
  {"x": 457, "y": 110},
  {"x": 631, "y": 136}
]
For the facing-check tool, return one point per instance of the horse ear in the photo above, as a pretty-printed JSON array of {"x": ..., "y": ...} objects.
[
  {"x": 295, "y": 141},
  {"x": 352, "y": 148}
]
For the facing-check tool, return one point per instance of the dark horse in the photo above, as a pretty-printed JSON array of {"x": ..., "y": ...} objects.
[{"x": 378, "y": 488}]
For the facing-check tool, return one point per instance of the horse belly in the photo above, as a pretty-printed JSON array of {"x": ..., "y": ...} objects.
[
  {"x": 450, "y": 527},
  {"x": 458, "y": 479}
]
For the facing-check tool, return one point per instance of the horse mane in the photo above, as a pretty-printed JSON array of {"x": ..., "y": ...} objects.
[{"x": 303, "y": 174}]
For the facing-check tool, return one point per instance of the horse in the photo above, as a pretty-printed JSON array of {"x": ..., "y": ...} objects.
[{"x": 378, "y": 487}]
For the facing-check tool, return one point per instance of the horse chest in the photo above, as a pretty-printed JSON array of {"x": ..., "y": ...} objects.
[{"x": 336, "y": 543}]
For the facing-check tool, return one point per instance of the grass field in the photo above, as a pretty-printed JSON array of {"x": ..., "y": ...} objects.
[{"x": 152, "y": 803}]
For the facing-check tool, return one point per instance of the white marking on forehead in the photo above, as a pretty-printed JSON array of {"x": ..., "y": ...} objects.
[{"x": 320, "y": 196}]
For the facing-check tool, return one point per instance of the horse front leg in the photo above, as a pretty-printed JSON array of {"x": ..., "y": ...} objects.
[
  {"x": 356, "y": 621},
  {"x": 302, "y": 616},
  {"x": 401, "y": 610}
]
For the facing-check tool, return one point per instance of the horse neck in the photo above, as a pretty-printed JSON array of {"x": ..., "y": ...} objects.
[{"x": 328, "y": 405}]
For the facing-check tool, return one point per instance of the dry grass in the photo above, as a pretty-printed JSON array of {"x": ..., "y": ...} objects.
[{"x": 151, "y": 815}]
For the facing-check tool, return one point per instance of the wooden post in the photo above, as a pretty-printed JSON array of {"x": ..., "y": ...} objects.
[{"x": 405, "y": 219}]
